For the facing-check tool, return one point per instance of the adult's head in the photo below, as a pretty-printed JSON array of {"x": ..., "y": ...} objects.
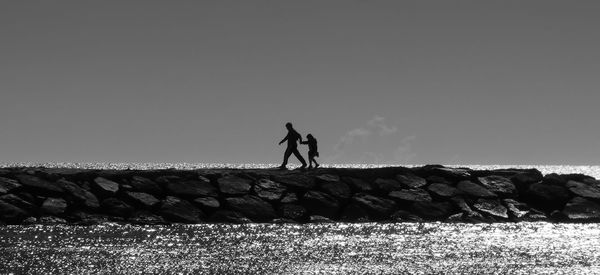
[{"x": 289, "y": 126}]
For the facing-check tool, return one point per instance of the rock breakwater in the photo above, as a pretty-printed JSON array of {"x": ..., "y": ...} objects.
[{"x": 394, "y": 194}]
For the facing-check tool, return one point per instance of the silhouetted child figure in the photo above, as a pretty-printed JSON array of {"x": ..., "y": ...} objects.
[{"x": 312, "y": 150}]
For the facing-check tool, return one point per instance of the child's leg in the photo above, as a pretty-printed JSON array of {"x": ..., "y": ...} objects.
[{"x": 312, "y": 159}]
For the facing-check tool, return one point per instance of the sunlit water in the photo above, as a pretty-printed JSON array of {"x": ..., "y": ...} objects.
[
  {"x": 522, "y": 248},
  {"x": 592, "y": 170},
  {"x": 510, "y": 248}
]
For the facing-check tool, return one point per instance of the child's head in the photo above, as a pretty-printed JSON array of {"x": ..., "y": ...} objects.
[{"x": 310, "y": 136}]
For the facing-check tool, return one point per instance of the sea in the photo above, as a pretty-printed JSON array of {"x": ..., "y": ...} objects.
[{"x": 330, "y": 248}]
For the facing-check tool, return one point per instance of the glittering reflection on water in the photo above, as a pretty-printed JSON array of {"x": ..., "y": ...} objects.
[
  {"x": 591, "y": 170},
  {"x": 329, "y": 248}
]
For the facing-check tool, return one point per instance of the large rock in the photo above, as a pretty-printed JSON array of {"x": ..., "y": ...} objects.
[
  {"x": 581, "y": 209},
  {"x": 337, "y": 189},
  {"x": 322, "y": 204},
  {"x": 178, "y": 210},
  {"x": 116, "y": 207},
  {"x": 410, "y": 195},
  {"x": 190, "y": 188},
  {"x": 296, "y": 182},
  {"x": 11, "y": 213},
  {"x": 358, "y": 185},
  {"x": 443, "y": 190},
  {"x": 577, "y": 177},
  {"x": 39, "y": 185},
  {"x": 515, "y": 208},
  {"x": 378, "y": 208},
  {"x": 290, "y": 198},
  {"x": 438, "y": 179},
  {"x": 555, "y": 179},
  {"x": 387, "y": 185},
  {"x": 19, "y": 202},
  {"x": 293, "y": 211},
  {"x": 252, "y": 207},
  {"x": 207, "y": 203},
  {"x": 548, "y": 196},
  {"x": 464, "y": 207},
  {"x": 7, "y": 185},
  {"x": 269, "y": 190},
  {"x": 106, "y": 187},
  {"x": 583, "y": 189},
  {"x": 74, "y": 191},
  {"x": 54, "y": 206},
  {"x": 522, "y": 212},
  {"x": 472, "y": 189},
  {"x": 491, "y": 207},
  {"x": 233, "y": 185},
  {"x": 411, "y": 181},
  {"x": 144, "y": 185},
  {"x": 500, "y": 185},
  {"x": 91, "y": 201},
  {"x": 593, "y": 182},
  {"x": 432, "y": 210},
  {"x": 455, "y": 174},
  {"x": 525, "y": 179},
  {"x": 143, "y": 199},
  {"x": 228, "y": 216},
  {"x": 326, "y": 178},
  {"x": 164, "y": 180}
]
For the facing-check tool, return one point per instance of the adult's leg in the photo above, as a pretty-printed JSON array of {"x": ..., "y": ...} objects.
[
  {"x": 299, "y": 156},
  {"x": 286, "y": 156}
]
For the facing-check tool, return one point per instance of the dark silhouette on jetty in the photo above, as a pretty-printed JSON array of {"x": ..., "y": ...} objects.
[
  {"x": 292, "y": 138},
  {"x": 394, "y": 194},
  {"x": 312, "y": 150}
]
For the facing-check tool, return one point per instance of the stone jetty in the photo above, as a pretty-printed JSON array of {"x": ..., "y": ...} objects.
[{"x": 31, "y": 195}]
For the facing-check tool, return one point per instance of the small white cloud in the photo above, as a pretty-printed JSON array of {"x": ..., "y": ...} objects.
[
  {"x": 349, "y": 138},
  {"x": 378, "y": 123},
  {"x": 376, "y": 142}
]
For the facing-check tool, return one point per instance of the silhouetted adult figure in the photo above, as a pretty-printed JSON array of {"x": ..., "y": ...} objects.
[{"x": 292, "y": 146}]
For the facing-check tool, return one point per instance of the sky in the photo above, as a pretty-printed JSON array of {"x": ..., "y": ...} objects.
[{"x": 387, "y": 82}]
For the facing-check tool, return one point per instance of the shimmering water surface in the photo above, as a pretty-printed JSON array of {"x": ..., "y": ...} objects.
[
  {"x": 592, "y": 170},
  {"x": 522, "y": 248},
  {"x": 512, "y": 248}
]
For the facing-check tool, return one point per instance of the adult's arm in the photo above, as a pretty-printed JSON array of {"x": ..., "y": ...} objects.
[{"x": 284, "y": 139}]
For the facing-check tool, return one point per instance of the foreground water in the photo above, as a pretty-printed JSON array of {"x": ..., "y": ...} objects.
[{"x": 514, "y": 248}]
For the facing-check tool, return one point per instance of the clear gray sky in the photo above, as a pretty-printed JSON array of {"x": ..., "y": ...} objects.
[{"x": 466, "y": 82}]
